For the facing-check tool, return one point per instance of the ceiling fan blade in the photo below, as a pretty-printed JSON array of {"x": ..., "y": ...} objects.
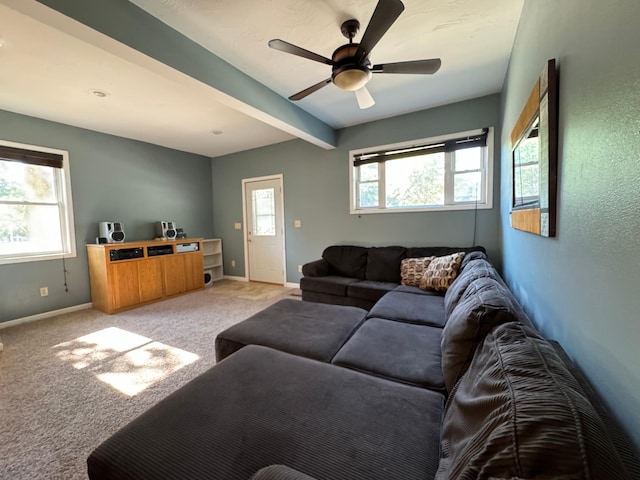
[
  {"x": 364, "y": 98},
  {"x": 424, "y": 67},
  {"x": 386, "y": 12},
  {"x": 283, "y": 46},
  {"x": 310, "y": 90}
]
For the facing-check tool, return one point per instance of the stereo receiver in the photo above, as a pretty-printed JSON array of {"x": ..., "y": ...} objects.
[
  {"x": 187, "y": 247},
  {"x": 125, "y": 253}
]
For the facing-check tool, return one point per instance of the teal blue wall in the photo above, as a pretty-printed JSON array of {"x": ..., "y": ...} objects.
[
  {"x": 581, "y": 288},
  {"x": 112, "y": 179},
  {"x": 316, "y": 191}
]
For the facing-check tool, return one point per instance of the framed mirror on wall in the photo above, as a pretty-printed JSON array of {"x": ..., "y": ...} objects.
[{"x": 534, "y": 158}]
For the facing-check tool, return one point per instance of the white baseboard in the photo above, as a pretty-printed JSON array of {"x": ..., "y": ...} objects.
[
  {"x": 292, "y": 285},
  {"x": 41, "y": 316}
]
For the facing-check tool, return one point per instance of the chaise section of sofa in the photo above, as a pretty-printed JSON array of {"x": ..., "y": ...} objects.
[{"x": 261, "y": 407}]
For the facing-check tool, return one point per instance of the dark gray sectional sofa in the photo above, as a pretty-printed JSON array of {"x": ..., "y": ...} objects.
[
  {"x": 360, "y": 276},
  {"x": 447, "y": 386}
]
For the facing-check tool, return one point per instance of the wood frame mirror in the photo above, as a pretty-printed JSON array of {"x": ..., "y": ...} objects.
[{"x": 534, "y": 158}]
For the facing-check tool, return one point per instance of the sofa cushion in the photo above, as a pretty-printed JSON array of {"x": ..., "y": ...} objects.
[
  {"x": 369, "y": 290},
  {"x": 474, "y": 270},
  {"x": 312, "y": 330},
  {"x": 399, "y": 351},
  {"x": 383, "y": 264},
  {"x": 441, "y": 272},
  {"x": 484, "y": 305},
  {"x": 412, "y": 270},
  {"x": 331, "y": 284},
  {"x": 346, "y": 260},
  {"x": 410, "y": 308},
  {"x": 519, "y": 413},
  {"x": 261, "y": 407},
  {"x": 416, "y": 290}
]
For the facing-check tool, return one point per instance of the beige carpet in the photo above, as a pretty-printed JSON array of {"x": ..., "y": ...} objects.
[{"x": 69, "y": 382}]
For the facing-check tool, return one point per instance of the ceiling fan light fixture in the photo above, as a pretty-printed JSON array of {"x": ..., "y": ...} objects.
[{"x": 351, "y": 78}]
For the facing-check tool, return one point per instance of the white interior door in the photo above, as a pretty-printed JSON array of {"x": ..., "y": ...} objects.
[{"x": 265, "y": 229}]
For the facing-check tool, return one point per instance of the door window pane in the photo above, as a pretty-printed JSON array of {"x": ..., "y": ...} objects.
[{"x": 264, "y": 212}]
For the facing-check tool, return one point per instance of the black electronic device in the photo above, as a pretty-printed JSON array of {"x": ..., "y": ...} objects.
[
  {"x": 180, "y": 233},
  {"x": 125, "y": 253},
  {"x": 159, "y": 250}
]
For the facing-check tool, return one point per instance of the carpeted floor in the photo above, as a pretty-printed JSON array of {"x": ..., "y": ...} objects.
[{"x": 69, "y": 382}]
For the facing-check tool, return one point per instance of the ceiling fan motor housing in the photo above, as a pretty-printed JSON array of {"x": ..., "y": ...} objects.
[{"x": 348, "y": 73}]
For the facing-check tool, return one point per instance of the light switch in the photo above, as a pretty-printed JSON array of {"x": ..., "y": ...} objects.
[
  {"x": 297, "y": 223},
  {"x": 237, "y": 226}
]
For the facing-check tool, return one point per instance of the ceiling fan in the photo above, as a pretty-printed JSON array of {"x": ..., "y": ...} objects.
[{"x": 351, "y": 68}]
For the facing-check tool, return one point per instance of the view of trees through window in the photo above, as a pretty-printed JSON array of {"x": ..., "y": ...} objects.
[
  {"x": 418, "y": 181},
  {"x": 415, "y": 181},
  {"x": 526, "y": 171},
  {"x": 13, "y": 218},
  {"x": 29, "y": 218}
]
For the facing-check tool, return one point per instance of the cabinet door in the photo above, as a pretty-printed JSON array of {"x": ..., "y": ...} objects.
[
  {"x": 125, "y": 284},
  {"x": 174, "y": 274},
  {"x": 150, "y": 276},
  {"x": 194, "y": 271}
]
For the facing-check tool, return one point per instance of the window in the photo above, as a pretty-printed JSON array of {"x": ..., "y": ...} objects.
[
  {"x": 264, "y": 212},
  {"x": 452, "y": 172},
  {"x": 36, "y": 213}
]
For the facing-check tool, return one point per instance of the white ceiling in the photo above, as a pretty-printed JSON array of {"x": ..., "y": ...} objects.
[{"x": 154, "y": 103}]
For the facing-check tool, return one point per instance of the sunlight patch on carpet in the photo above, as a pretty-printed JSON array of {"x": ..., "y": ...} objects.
[{"x": 126, "y": 361}]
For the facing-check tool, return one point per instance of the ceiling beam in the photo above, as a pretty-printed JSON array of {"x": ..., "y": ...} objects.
[{"x": 100, "y": 22}]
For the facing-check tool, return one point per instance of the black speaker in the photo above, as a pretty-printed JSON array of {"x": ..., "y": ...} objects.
[
  {"x": 112, "y": 231},
  {"x": 166, "y": 230}
]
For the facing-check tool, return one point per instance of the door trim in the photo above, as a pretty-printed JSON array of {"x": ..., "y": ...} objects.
[{"x": 280, "y": 178}]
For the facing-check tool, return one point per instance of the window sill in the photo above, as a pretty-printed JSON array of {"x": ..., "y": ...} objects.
[
  {"x": 35, "y": 257},
  {"x": 438, "y": 208}
]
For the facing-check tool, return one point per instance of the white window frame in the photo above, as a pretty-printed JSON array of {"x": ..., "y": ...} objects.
[
  {"x": 62, "y": 178},
  {"x": 486, "y": 197}
]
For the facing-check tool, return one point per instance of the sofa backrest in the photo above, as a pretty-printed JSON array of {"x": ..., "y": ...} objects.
[
  {"x": 519, "y": 413},
  {"x": 346, "y": 260},
  {"x": 416, "y": 252},
  {"x": 380, "y": 264},
  {"x": 383, "y": 263}
]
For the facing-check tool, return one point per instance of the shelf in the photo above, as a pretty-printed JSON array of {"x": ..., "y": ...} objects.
[{"x": 212, "y": 255}]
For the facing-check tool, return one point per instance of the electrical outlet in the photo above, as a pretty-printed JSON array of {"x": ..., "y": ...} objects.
[
  {"x": 44, "y": 291},
  {"x": 297, "y": 223},
  {"x": 237, "y": 226},
  {"x": 300, "y": 268},
  {"x": 233, "y": 263}
]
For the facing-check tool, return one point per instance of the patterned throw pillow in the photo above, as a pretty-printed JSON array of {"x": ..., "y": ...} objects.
[
  {"x": 412, "y": 270},
  {"x": 441, "y": 272}
]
